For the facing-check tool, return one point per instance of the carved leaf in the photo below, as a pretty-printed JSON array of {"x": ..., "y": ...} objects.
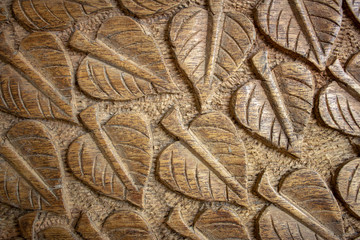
[
  {"x": 210, "y": 46},
  {"x": 354, "y": 6},
  {"x": 209, "y": 163},
  {"x": 308, "y": 28},
  {"x": 115, "y": 160},
  {"x": 84, "y": 226},
  {"x": 144, "y": 8},
  {"x": 4, "y": 16},
  {"x": 305, "y": 208},
  {"x": 41, "y": 15},
  {"x": 215, "y": 225},
  {"x": 338, "y": 104},
  {"x": 277, "y": 109},
  {"x": 37, "y": 82},
  {"x": 53, "y": 233},
  {"x": 124, "y": 62},
  {"x": 126, "y": 224},
  {"x": 30, "y": 169},
  {"x": 348, "y": 185}
]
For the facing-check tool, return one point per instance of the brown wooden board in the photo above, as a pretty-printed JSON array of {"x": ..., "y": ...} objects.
[{"x": 179, "y": 119}]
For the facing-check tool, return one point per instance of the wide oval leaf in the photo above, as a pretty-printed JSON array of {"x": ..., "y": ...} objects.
[
  {"x": 209, "y": 50},
  {"x": 38, "y": 81},
  {"x": 126, "y": 224},
  {"x": 220, "y": 225},
  {"x": 124, "y": 62},
  {"x": 185, "y": 171},
  {"x": 348, "y": 185},
  {"x": 278, "y": 108},
  {"x": 30, "y": 169},
  {"x": 41, "y": 15},
  {"x": 354, "y": 6},
  {"x": 338, "y": 103},
  {"x": 144, "y": 8},
  {"x": 130, "y": 136},
  {"x": 308, "y": 28},
  {"x": 304, "y": 205}
]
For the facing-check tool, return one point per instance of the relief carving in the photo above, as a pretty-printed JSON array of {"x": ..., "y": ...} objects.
[
  {"x": 30, "y": 169},
  {"x": 210, "y": 45},
  {"x": 209, "y": 224},
  {"x": 338, "y": 103},
  {"x": 304, "y": 207},
  {"x": 40, "y": 15},
  {"x": 209, "y": 160},
  {"x": 279, "y": 107},
  {"x": 124, "y": 62},
  {"x": 37, "y": 81},
  {"x": 307, "y": 28}
]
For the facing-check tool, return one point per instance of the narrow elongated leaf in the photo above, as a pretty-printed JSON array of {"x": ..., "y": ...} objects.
[
  {"x": 308, "y": 28},
  {"x": 354, "y": 6},
  {"x": 129, "y": 139},
  {"x": 38, "y": 81},
  {"x": 144, "y": 8},
  {"x": 53, "y": 233},
  {"x": 338, "y": 103},
  {"x": 124, "y": 62},
  {"x": 126, "y": 224},
  {"x": 348, "y": 185},
  {"x": 210, "y": 46},
  {"x": 277, "y": 109},
  {"x": 305, "y": 207},
  {"x": 55, "y": 14},
  {"x": 219, "y": 174},
  {"x": 30, "y": 169}
]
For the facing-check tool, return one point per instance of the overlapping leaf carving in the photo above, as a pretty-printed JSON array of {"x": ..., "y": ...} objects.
[
  {"x": 348, "y": 185},
  {"x": 144, "y": 8},
  {"x": 209, "y": 161},
  {"x": 210, "y": 45},
  {"x": 55, "y": 14},
  {"x": 37, "y": 82},
  {"x": 354, "y": 6},
  {"x": 338, "y": 103},
  {"x": 30, "y": 169},
  {"x": 126, "y": 224},
  {"x": 277, "y": 109},
  {"x": 115, "y": 158},
  {"x": 307, "y": 28},
  {"x": 124, "y": 62},
  {"x": 210, "y": 224},
  {"x": 303, "y": 208}
]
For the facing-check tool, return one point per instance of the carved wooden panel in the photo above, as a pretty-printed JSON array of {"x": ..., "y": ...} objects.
[{"x": 179, "y": 119}]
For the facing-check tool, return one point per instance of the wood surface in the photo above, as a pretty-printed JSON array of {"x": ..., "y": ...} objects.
[{"x": 154, "y": 119}]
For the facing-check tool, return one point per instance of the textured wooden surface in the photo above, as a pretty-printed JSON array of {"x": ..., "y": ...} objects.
[{"x": 172, "y": 119}]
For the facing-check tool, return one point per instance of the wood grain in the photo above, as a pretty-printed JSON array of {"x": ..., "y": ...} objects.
[
  {"x": 209, "y": 161},
  {"x": 146, "y": 8},
  {"x": 127, "y": 224},
  {"x": 305, "y": 207},
  {"x": 31, "y": 170},
  {"x": 40, "y": 15},
  {"x": 115, "y": 159},
  {"x": 210, "y": 45},
  {"x": 124, "y": 62},
  {"x": 338, "y": 102},
  {"x": 307, "y": 28},
  {"x": 278, "y": 108},
  {"x": 347, "y": 185},
  {"x": 209, "y": 225},
  {"x": 37, "y": 81}
]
